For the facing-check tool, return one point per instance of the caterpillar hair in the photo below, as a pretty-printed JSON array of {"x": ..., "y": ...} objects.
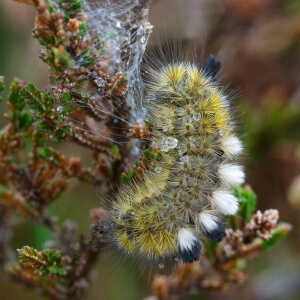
[{"x": 183, "y": 198}]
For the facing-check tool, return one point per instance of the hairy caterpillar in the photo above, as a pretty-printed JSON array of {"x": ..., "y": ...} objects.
[{"x": 181, "y": 200}]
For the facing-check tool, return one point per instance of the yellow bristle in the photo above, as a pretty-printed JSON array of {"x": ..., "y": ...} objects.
[{"x": 172, "y": 75}]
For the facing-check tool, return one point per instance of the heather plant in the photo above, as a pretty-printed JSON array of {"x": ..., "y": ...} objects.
[{"x": 94, "y": 53}]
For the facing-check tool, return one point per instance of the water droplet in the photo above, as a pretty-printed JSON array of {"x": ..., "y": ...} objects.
[
  {"x": 176, "y": 259},
  {"x": 197, "y": 116},
  {"x": 158, "y": 170},
  {"x": 118, "y": 24},
  {"x": 221, "y": 132},
  {"x": 184, "y": 158},
  {"x": 99, "y": 82},
  {"x": 143, "y": 40},
  {"x": 59, "y": 108},
  {"x": 165, "y": 128},
  {"x": 187, "y": 120},
  {"x": 179, "y": 111},
  {"x": 171, "y": 142},
  {"x": 140, "y": 31},
  {"x": 180, "y": 152},
  {"x": 165, "y": 148},
  {"x": 161, "y": 266}
]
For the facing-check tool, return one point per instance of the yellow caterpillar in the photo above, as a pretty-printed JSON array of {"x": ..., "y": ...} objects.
[{"x": 182, "y": 199}]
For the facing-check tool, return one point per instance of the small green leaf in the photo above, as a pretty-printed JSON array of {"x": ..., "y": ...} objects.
[
  {"x": 128, "y": 177},
  {"x": 87, "y": 58},
  {"x": 66, "y": 97},
  {"x": 45, "y": 127},
  {"x": 40, "y": 138},
  {"x": 114, "y": 152},
  {"x": 281, "y": 231},
  {"x": 83, "y": 28},
  {"x": 48, "y": 103},
  {"x": 45, "y": 263},
  {"x": 148, "y": 123},
  {"x": 13, "y": 96},
  {"x": 49, "y": 154},
  {"x": 73, "y": 5},
  {"x": 152, "y": 154},
  {"x": 61, "y": 134},
  {"x": 25, "y": 119},
  {"x": 247, "y": 200}
]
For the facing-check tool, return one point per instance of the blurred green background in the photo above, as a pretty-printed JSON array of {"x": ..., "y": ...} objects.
[{"x": 258, "y": 43}]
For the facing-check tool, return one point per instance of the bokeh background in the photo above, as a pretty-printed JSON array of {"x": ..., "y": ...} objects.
[{"x": 258, "y": 43}]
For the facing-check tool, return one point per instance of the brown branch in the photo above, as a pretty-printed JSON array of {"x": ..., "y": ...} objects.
[{"x": 219, "y": 271}]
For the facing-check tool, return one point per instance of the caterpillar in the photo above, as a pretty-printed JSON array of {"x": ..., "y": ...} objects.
[{"x": 182, "y": 200}]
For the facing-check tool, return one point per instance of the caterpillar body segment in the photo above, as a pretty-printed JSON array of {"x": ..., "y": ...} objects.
[{"x": 182, "y": 199}]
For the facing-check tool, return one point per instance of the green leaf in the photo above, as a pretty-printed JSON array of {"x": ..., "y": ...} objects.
[
  {"x": 152, "y": 154},
  {"x": 87, "y": 58},
  {"x": 281, "y": 231},
  {"x": 61, "y": 134},
  {"x": 45, "y": 127},
  {"x": 32, "y": 95},
  {"x": 14, "y": 96},
  {"x": 148, "y": 124},
  {"x": 49, "y": 154},
  {"x": 66, "y": 97},
  {"x": 44, "y": 153},
  {"x": 40, "y": 138},
  {"x": 99, "y": 42},
  {"x": 114, "y": 152},
  {"x": 247, "y": 200},
  {"x": 83, "y": 28},
  {"x": 46, "y": 263},
  {"x": 60, "y": 61},
  {"x": 48, "y": 103},
  {"x": 73, "y": 5},
  {"x": 20, "y": 119},
  {"x": 25, "y": 119},
  {"x": 128, "y": 177}
]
